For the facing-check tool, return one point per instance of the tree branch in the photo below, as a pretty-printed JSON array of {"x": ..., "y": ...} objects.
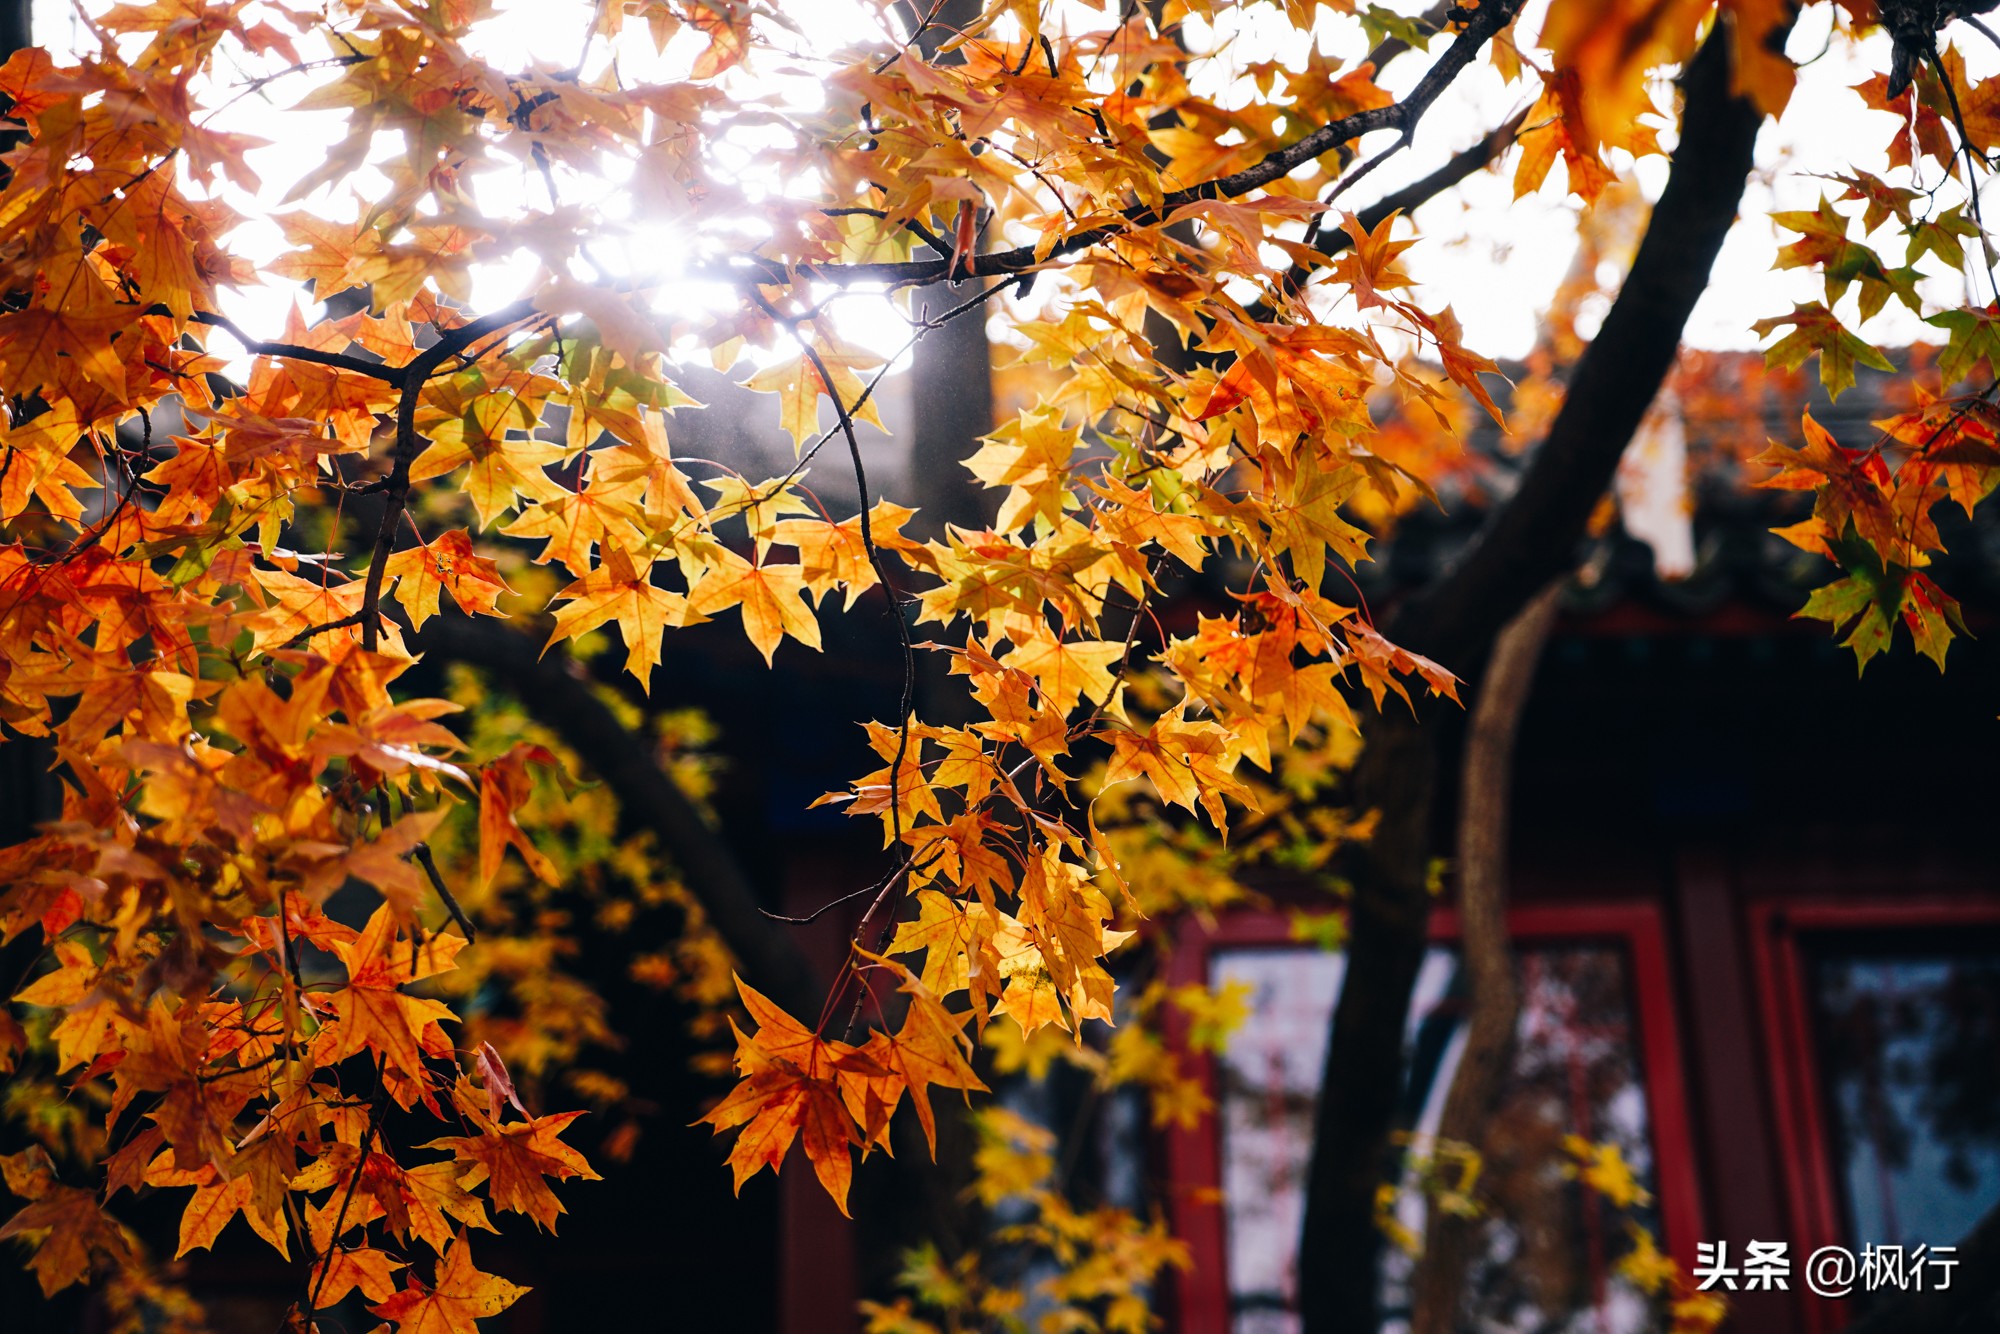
[
  {"x": 1484, "y": 807},
  {"x": 412, "y": 376},
  {"x": 552, "y": 690},
  {"x": 1526, "y": 543},
  {"x": 1480, "y": 26},
  {"x": 374, "y": 370},
  {"x": 1411, "y": 197},
  {"x": 1532, "y": 538}
]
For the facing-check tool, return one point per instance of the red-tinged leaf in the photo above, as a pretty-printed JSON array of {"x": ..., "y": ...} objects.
[
  {"x": 1229, "y": 392},
  {"x": 499, "y": 1085},
  {"x": 504, "y": 788}
]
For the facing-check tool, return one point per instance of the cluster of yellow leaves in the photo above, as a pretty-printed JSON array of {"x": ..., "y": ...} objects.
[
  {"x": 1148, "y": 1055},
  {"x": 1104, "y": 1258},
  {"x": 554, "y": 1025},
  {"x": 1602, "y": 1168}
]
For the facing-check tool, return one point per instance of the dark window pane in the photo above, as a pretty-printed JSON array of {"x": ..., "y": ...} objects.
[
  {"x": 1908, "y": 1038},
  {"x": 1552, "y": 1247}
]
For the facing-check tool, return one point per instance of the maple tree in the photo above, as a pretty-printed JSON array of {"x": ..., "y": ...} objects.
[{"x": 218, "y": 652}]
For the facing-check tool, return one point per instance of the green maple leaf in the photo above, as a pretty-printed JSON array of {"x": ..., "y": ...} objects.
[
  {"x": 1975, "y": 337},
  {"x": 1815, "y": 329}
]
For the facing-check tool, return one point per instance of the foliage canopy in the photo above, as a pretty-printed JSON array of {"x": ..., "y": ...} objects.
[{"x": 220, "y": 547}]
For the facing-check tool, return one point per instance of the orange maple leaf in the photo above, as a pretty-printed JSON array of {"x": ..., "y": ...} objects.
[
  {"x": 504, "y": 787},
  {"x": 791, "y": 1085},
  {"x": 448, "y": 563},
  {"x": 455, "y": 1303},
  {"x": 516, "y": 1160},
  {"x": 371, "y": 1009},
  {"x": 621, "y": 590},
  {"x": 772, "y": 598}
]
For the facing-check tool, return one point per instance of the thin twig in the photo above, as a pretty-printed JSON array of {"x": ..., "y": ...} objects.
[
  {"x": 1971, "y": 173},
  {"x": 311, "y": 631},
  {"x": 410, "y": 380},
  {"x": 340, "y": 1219}
]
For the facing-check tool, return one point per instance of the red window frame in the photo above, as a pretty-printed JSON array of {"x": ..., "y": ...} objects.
[
  {"x": 1811, "y": 1193},
  {"x": 1194, "y": 1157}
]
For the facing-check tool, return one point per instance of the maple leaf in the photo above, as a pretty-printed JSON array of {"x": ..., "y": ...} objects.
[
  {"x": 772, "y": 597},
  {"x": 68, "y": 1228},
  {"x": 573, "y": 522},
  {"x": 371, "y": 1010},
  {"x": 1306, "y": 520},
  {"x": 949, "y": 933},
  {"x": 1066, "y": 670},
  {"x": 621, "y": 590},
  {"x": 504, "y": 788},
  {"x": 833, "y": 555},
  {"x": 514, "y": 1161},
  {"x": 1853, "y": 485},
  {"x": 791, "y": 1090},
  {"x": 449, "y": 564},
  {"x": 1030, "y": 455},
  {"x": 433, "y": 1194},
  {"x": 454, "y": 1304},
  {"x": 798, "y": 386},
  {"x": 1825, "y": 245},
  {"x": 1814, "y": 329},
  {"x": 498, "y": 1083},
  {"x": 217, "y": 1200},
  {"x": 1556, "y": 127},
  {"x": 726, "y": 26},
  {"x": 1369, "y": 266},
  {"x": 929, "y": 1049},
  {"x": 1187, "y": 763},
  {"x": 1975, "y": 340},
  {"x": 370, "y": 1271},
  {"x": 166, "y": 1054},
  {"x": 1612, "y": 47}
]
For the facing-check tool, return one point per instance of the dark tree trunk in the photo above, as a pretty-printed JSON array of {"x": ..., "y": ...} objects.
[
  {"x": 951, "y": 402},
  {"x": 16, "y": 25},
  {"x": 1529, "y": 540},
  {"x": 951, "y": 370},
  {"x": 1364, "y": 1059}
]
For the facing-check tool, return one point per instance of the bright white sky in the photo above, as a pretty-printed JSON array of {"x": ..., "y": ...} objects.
[{"x": 1495, "y": 260}]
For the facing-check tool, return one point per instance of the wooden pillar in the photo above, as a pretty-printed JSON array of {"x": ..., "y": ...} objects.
[{"x": 1730, "y": 1075}]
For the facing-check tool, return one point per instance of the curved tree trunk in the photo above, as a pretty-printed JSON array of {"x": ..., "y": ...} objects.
[
  {"x": 1484, "y": 808},
  {"x": 555, "y": 692},
  {"x": 1525, "y": 544}
]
